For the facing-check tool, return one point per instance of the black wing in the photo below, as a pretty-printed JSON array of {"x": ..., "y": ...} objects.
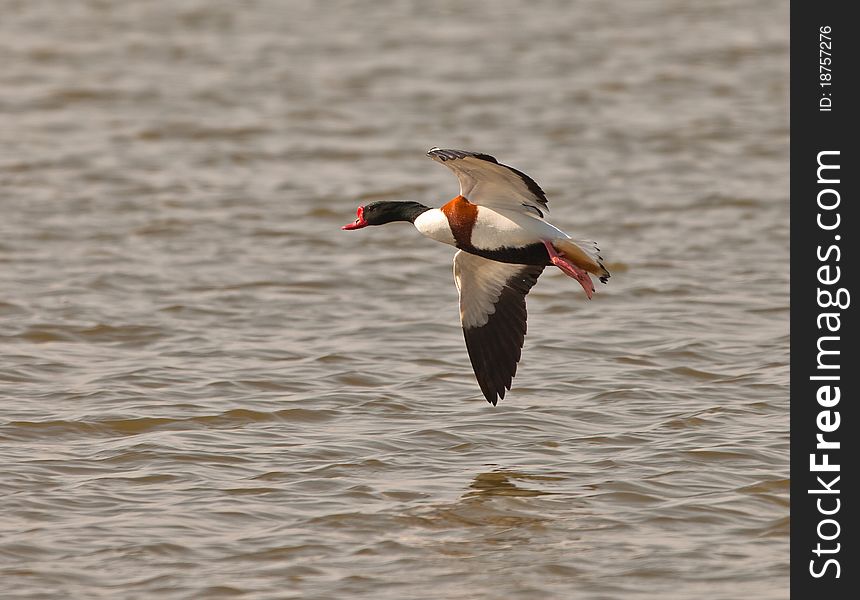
[{"x": 493, "y": 315}]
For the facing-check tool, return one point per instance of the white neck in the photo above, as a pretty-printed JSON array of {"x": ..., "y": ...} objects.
[{"x": 434, "y": 224}]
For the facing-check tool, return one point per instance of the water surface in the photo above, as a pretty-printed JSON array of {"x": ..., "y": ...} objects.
[{"x": 208, "y": 390}]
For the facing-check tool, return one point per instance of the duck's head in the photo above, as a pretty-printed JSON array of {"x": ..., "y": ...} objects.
[{"x": 382, "y": 212}]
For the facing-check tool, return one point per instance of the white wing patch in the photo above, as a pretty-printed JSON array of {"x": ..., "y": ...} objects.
[
  {"x": 493, "y": 314},
  {"x": 485, "y": 181},
  {"x": 480, "y": 282}
]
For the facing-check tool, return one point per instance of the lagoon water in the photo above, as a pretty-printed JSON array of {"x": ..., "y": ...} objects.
[{"x": 207, "y": 390}]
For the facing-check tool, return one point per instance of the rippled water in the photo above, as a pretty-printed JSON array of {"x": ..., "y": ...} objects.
[{"x": 208, "y": 390}]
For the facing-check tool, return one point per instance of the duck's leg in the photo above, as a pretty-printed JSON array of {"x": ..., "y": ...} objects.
[{"x": 570, "y": 269}]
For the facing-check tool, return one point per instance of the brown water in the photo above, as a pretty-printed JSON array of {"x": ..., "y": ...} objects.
[{"x": 208, "y": 390}]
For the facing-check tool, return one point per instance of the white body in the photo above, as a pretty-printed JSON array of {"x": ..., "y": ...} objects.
[{"x": 493, "y": 229}]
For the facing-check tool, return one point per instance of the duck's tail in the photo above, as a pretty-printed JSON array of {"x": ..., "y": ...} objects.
[{"x": 584, "y": 254}]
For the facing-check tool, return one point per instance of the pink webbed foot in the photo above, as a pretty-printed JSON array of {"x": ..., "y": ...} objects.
[{"x": 570, "y": 269}]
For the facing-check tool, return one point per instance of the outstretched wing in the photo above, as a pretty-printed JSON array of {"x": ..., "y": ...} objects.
[
  {"x": 485, "y": 181},
  {"x": 493, "y": 315}
]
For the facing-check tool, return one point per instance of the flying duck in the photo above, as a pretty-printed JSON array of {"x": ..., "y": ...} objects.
[{"x": 497, "y": 223}]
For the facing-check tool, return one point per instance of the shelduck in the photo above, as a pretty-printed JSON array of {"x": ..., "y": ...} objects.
[{"x": 504, "y": 242}]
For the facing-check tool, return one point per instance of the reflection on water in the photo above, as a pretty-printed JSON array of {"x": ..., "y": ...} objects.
[
  {"x": 504, "y": 482},
  {"x": 207, "y": 389}
]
